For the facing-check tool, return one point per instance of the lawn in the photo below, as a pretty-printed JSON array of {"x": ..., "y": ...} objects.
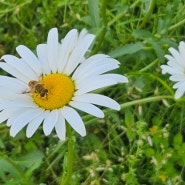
[{"x": 141, "y": 144}]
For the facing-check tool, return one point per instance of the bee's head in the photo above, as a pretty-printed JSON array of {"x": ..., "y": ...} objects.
[{"x": 32, "y": 83}]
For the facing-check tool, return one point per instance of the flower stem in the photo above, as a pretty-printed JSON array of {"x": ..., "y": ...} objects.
[
  {"x": 69, "y": 155},
  {"x": 145, "y": 100}
]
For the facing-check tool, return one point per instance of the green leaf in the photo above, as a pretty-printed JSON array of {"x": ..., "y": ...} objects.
[
  {"x": 149, "y": 152},
  {"x": 142, "y": 34},
  {"x": 129, "y": 118},
  {"x": 15, "y": 171},
  {"x": 7, "y": 167},
  {"x": 177, "y": 140},
  {"x": 31, "y": 161},
  {"x": 129, "y": 121},
  {"x": 94, "y": 13},
  {"x": 158, "y": 50},
  {"x": 127, "y": 50}
]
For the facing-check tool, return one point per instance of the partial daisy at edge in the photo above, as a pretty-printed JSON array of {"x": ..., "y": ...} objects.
[
  {"x": 63, "y": 81},
  {"x": 176, "y": 68}
]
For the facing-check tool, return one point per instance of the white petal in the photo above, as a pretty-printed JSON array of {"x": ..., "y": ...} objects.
[
  {"x": 179, "y": 93},
  {"x": 13, "y": 113},
  {"x": 177, "y": 77},
  {"x": 95, "y": 65},
  {"x": 60, "y": 127},
  {"x": 4, "y": 115},
  {"x": 52, "y": 49},
  {"x": 67, "y": 46},
  {"x": 12, "y": 83},
  {"x": 168, "y": 69},
  {"x": 82, "y": 34},
  {"x": 177, "y": 57},
  {"x": 88, "y": 108},
  {"x": 174, "y": 63},
  {"x": 6, "y": 67},
  {"x": 74, "y": 120},
  {"x": 172, "y": 59},
  {"x": 50, "y": 121},
  {"x": 34, "y": 124},
  {"x": 182, "y": 49},
  {"x": 93, "y": 84},
  {"x": 176, "y": 66},
  {"x": 78, "y": 53},
  {"x": 119, "y": 78},
  {"x": 8, "y": 94},
  {"x": 20, "y": 66},
  {"x": 17, "y": 104},
  {"x": 22, "y": 120},
  {"x": 98, "y": 100},
  {"x": 179, "y": 85},
  {"x": 42, "y": 56},
  {"x": 31, "y": 60}
]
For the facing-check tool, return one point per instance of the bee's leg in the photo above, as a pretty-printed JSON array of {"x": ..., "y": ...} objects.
[{"x": 26, "y": 92}]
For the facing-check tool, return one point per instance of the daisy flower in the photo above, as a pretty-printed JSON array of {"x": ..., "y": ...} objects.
[
  {"x": 176, "y": 68},
  {"x": 50, "y": 86}
]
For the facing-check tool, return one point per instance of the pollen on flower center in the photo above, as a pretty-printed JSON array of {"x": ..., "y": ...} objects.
[{"x": 58, "y": 89}]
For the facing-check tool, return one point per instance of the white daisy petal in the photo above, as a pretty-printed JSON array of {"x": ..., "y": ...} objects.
[
  {"x": 35, "y": 123},
  {"x": 42, "y": 56},
  {"x": 173, "y": 63},
  {"x": 67, "y": 45},
  {"x": 172, "y": 59},
  {"x": 182, "y": 49},
  {"x": 8, "y": 94},
  {"x": 177, "y": 77},
  {"x": 169, "y": 70},
  {"x": 98, "y": 100},
  {"x": 95, "y": 65},
  {"x": 177, "y": 56},
  {"x": 13, "y": 72},
  {"x": 52, "y": 49},
  {"x": 88, "y": 108},
  {"x": 50, "y": 121},
  {"x": 13, "y": 113},
  {"x": 60, "y": 127},
  {"x": 13, "y": 83},
  {"x": 93, "y": 84},
  {"x": 28, "y": 57},
  {"x": 179, "y": 84},
  {"x": 20, "y": 66},
  {"x": 176, "y": 68},
  {"x": 117, "y": 77},
  {"x": 82, "y": 34},
  {"x": 4, "y": 115},
  {"x": 12, "y": 103},
  {"x": 179, "y": 93},
  {"x": 78, "y": 53},
  {"x": 22, "y": 120},
  {"x": 74, "y": 120}
]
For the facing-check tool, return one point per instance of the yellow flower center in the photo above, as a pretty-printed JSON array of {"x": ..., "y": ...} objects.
[{"x": 53, "y": 91}]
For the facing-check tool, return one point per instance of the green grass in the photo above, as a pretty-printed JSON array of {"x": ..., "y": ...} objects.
[{"x": 144, "y": 143}]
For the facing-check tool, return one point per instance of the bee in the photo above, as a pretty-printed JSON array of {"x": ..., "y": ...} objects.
[{"x": 38, "y": 87}]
